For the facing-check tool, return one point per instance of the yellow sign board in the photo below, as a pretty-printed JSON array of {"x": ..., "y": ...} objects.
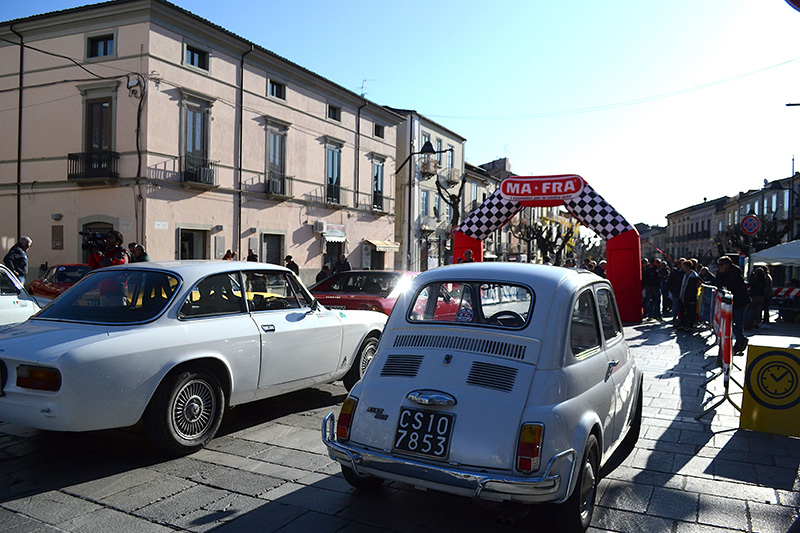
[{"x": 771, "y": 401}]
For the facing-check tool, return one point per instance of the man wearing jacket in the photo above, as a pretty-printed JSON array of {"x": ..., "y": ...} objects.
[
  {"x": 730, "y": 277},
  {"x": 17, "y": 258}
]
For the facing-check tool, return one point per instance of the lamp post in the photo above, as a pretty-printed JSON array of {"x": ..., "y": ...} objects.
[{"x": 427, "y": 149}]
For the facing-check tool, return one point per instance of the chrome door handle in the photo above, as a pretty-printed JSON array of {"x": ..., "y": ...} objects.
[
  {"x": 611, "y": 365},
  {"x": 268, "y": 328}
]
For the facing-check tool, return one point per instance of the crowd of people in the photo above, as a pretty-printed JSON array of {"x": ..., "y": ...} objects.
[{"x": 672, "y": 290}]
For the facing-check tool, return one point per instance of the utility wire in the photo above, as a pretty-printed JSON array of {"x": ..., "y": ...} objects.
[{"x": 604, "y": 107}]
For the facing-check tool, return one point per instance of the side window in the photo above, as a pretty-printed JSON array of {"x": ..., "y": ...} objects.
[
  {"x": 608, "y": 314},
  {"x": 219, "y": 294},
  {"x": 584, "y": 333},
  {"x": 267, "y": 291},
  {"x": 7, "y": 286}
]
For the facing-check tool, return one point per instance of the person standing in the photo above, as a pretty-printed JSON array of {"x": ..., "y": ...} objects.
[
  {"x": 674, "y": 282},
  {"x": 251, "y": 256},
  {"x": 291, "y": 265},
  {"x": 651, "y": 279},
  {"x": 730, "y": 277},
  {"x": 111, "y": 254},
  {"x": 468, "y": 256},
  {"x": 767, "y": 297},
  {"x": 688, "y": 296},
  {"x": 17, "y": 258},
  {"x": 342, "y": 265},
  {"x": 140, "y": 255}
]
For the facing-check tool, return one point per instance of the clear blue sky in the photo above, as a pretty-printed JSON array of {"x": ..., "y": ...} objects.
[{"x": 658, "y": 105}]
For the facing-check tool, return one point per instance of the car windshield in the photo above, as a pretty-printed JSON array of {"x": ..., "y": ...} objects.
[
  {"x": 494, "y": 304},
  {"x": 115, "y": 296},
  {"x": 378, "y": 282}
]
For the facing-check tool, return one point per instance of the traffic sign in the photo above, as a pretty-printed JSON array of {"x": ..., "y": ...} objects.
[{"x": 750, "y": 225}]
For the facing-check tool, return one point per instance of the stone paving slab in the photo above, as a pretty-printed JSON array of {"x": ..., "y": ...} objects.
[{"x": 267, "y": 471}]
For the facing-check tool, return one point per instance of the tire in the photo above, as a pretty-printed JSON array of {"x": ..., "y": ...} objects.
[
  {"x": 361, "y": 362},
  {"x": 360, "y": 482},
  {"x": 576, "y": 513},
  {"x": 185, "y": 412}
]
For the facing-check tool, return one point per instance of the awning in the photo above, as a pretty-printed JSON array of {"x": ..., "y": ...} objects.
[
  {"x": 384, "y": 246},
  {"x": 334, "y": 238}
]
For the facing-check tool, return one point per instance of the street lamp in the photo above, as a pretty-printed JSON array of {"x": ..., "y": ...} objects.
[{"x": 427, "y": 149}]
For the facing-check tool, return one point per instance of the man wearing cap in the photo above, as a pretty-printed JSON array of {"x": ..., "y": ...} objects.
[{"x": 291, "y": 265}]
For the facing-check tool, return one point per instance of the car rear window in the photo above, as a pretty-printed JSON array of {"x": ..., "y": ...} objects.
[
  {"x": 494, "y": 304},
  {"x": 115, "y": 296},
  {"x": 377, "y": 283}
]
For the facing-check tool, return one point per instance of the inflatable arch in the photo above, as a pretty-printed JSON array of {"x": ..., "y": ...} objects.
[{"x": 623, "y": 252}]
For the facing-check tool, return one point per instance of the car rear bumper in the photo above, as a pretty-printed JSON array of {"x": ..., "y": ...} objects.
[{"x": 548, "y": 487}]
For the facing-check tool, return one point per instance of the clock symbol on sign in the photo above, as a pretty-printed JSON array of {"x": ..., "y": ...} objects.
[
  {"x": 772, "y": 379},
  {"x": 777, "y": 380}
]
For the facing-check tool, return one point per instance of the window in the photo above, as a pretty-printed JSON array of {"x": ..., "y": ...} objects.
[
  {"x": 98, "y": 125},
  {"x": 100, "y": 46},
  {"x": 439, "y": 149},
  {"x": 277, "y": 90},
  {"x": 377, "y": 184},
  {"x": 271, "y": 291},
  {"x": 584, "y": 334},
  {"x": 333, "y": 170},
  {"x": 276, "y": 160},
  {"x": 437, "y": 207},
  {"x": 378, "y": 131},
  {"x": 608, "y": 314},
  {"x": 425, "y": 208},
  {"x": 451, "y": 156},
  {"x": 491, "y": 304},
  {"x": 426, "y": 138},
  {"x": 196, "y": 57},
  {"x": 218, "y": 294},
  {"x": 335, "y": 113}
]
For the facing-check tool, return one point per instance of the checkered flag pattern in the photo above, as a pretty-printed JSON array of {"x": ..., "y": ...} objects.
[
  {"x": 490, "y": 216},
  {"x": 595, "y": 213}
]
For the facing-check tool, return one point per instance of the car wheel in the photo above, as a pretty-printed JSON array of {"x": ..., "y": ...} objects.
[
  {"x": 362, "y": 361},
  {"x": 186, "y": 411},
  {"x": 576, "y": 512},
  {"x": 360, "y": 482}
]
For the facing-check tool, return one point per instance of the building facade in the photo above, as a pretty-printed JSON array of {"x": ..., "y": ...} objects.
[
  {"x": 424, "y": 211},
  {"x": 139, "y": 116}
]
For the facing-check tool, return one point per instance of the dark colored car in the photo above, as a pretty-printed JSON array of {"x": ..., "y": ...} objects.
[
  {"x": 57, "y": 279},
  {"x": 372, "y": 290}
]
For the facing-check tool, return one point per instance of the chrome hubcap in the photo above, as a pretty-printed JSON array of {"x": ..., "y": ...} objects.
[{"x": 193, "y": 410}]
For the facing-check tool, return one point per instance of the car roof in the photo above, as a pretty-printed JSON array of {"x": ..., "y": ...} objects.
[
  {"x": 525, "y": 273},
  {"x": 200, "y": 268}
]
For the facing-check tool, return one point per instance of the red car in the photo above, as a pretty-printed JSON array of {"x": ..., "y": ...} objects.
[
  {"x": 57, "y": 279},
  {"x": 375, "y": 290}
]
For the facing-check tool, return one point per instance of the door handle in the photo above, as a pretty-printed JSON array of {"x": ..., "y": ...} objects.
[
  {"x": 268, "y": 328},
  {"x": 611, "y": 365}
]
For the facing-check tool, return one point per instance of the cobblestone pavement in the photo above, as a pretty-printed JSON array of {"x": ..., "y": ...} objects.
[{"x": 268, "y": 470}]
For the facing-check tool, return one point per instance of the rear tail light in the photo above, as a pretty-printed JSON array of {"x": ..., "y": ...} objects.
[
  {"x": 38, "y": 377},
  {"x": 529, "y": 447},
  {"x": 346, "y": 418}
]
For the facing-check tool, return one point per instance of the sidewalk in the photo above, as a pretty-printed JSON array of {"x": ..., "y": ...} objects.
[{"x": 698, "y": 475}]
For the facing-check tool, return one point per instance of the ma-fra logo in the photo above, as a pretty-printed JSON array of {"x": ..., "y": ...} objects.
[{"x": 521, "y": 188}]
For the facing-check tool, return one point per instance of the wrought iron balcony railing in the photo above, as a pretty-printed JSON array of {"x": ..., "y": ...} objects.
[
  {"x": 90, "y": 165},
  {"x": 198, "y": 170}
]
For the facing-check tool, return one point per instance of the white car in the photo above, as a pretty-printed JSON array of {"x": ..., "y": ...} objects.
[
  {"x": 16, "y": 305},
  {"x": 499, "y": 381},
  {"x": 174, "y": 344}
]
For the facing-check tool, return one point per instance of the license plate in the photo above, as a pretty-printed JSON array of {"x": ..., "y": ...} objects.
[{"x": 425, "y": 433}]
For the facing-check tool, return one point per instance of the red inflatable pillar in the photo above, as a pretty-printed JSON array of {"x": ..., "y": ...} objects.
[
  {"x": 462, "y": 243},
  {"x": 624, "y": 271}
]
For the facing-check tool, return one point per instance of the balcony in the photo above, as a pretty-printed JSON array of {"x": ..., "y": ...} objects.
[
  {"x": 198, "y": 171},
  {"x": 89, "y": 166},
  {"x": 279, "y": 185},
  {"x": 333, "y": 194}
]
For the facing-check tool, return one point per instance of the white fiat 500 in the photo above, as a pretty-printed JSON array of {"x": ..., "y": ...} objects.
[
  {"x": 501, "y": 381},
  {"x": 174, "y": 344}
]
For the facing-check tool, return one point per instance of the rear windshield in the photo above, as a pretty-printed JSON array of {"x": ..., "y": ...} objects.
[
  {"x": 378, "y": 282},
  {"x": 115, "y": 296},
  {"x": 494, "y": 304}
]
